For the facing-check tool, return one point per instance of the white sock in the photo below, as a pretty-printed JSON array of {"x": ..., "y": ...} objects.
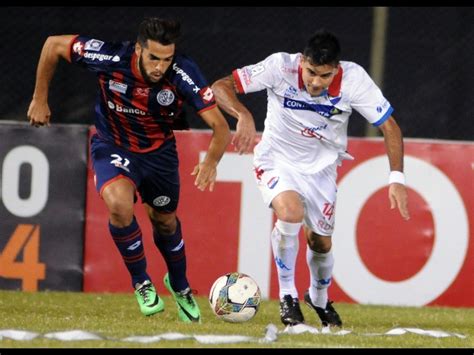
[
  {"x": 285, "y": 245},
  {"x": 320, "y": 267}
]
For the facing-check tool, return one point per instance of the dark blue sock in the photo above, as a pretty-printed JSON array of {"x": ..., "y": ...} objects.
[
  {"x": 172, "y": 249},
  {"x": 130, "y": 244}
]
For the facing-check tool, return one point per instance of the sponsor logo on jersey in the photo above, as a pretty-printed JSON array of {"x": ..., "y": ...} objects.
[
  {"x": 186, "y": 78},
  {"x": 125, "y": 109},
  {"x": 78, "y": 47},
  {"x": 312, "y": 132},
  {"x": 93, "y": 45},
  {"x": 165, "y": 97},
  {"x": 101, "y": 57},
  {"x": 161, "y": 201},
  {"x": 324, "y": 110},
  {"x": 119, "y": 87},
  {"x": 207, "y": 94}
]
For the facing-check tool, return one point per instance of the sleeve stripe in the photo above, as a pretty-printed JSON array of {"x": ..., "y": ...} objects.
[
  {"x": 207, "y": 108},
  {"x": 70, "y": 48},
  {"x": 384, "y": 117},
  {"x": 236, "y": 76}
]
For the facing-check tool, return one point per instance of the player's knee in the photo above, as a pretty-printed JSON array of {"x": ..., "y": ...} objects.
[
  {"x": 165, "y": 229},
  {"x": 120, "y": 212},
  {"x": 291, "y": 214},
  {"x": 164, "y": 224},
  {"x": 319, "y": 243}
]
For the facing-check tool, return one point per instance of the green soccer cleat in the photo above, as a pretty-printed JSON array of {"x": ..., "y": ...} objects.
[
  {"x": 188, "y": 309},
  {"x": 148, "y": 300}
]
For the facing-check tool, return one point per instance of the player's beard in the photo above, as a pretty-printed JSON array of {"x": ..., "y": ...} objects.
[{"x": 145, "y": 76}]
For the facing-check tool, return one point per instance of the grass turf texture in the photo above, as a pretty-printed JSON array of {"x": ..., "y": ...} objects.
[{"x": 117, "y": 316}]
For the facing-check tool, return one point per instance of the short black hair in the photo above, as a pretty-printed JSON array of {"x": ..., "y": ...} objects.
[
  {"x": 164, "y": 31},
  {"x": 323, "y": 48}
]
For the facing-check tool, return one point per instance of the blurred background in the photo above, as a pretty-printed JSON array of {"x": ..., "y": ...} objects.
[{"x": 421, "y": 57}]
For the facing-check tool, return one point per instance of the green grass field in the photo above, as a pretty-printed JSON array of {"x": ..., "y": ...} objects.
[{"x": 116, "y": 316}]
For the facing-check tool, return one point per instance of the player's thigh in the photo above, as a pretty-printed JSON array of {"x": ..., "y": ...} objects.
[
  {"x": 320, "y": 201},
  {"x": 288, "y": 206},
  {"x": 280, "y": 189},
  {"x": 111, "y": 163},
  {"x": 161, "y": 186}
]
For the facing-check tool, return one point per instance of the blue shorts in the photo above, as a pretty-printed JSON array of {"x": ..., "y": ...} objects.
[{"x": 154, "y": 174}]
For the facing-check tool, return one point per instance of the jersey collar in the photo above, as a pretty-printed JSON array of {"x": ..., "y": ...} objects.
[{"x": 334, "y": 89}]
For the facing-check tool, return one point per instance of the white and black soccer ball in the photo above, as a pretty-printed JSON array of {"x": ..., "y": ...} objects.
[{"x": 235, "y": 297}]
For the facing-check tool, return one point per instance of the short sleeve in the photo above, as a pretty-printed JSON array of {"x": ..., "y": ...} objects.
[
  {"x": 192, "y": 84},
  {"x": 94, "y": 54},
  {"x": 368, "y": 100},
  {"x": 260, "y": 76}
]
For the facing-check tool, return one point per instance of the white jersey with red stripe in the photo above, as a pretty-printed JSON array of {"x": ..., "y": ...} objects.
[{"x": 303, "y": 132}]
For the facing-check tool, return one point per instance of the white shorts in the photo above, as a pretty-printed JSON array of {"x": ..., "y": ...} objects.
[{"x": 318, "y": 192}]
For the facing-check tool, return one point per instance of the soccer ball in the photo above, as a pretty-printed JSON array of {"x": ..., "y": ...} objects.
[{"x": 235, "y": 297}]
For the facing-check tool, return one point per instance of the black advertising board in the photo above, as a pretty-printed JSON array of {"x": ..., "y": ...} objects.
[{"x": 42, "y": 206}]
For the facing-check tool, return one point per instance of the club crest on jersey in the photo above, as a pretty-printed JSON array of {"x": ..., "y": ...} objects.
[{"x": 165, "y": 97}]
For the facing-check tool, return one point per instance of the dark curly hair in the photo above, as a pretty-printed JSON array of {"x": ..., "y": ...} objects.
[{"x": 164, "y": 31}]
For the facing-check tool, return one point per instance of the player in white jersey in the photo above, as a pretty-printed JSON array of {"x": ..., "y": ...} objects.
[{"x": 310, "y": 98}]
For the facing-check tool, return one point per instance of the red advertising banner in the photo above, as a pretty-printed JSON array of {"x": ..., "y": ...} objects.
[{"x": 380, "y": 258}]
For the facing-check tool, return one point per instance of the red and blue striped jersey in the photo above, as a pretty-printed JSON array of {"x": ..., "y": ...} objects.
[{"x": 129, "y": 112}]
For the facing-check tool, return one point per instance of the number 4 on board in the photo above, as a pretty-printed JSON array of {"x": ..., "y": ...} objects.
[{"x": 26, "y": 239}]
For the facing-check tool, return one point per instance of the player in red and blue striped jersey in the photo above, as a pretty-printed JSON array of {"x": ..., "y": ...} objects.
[{"x": 142, "y": 88}]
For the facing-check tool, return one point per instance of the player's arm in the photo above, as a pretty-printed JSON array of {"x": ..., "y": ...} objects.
[
  {"x": 206, "y": 171},
  {"x": 54, "y": 48},
  {"x": 225, "y": 90},
  {"x": 394, "y": 146}
]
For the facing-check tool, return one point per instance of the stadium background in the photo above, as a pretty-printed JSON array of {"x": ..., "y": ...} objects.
[
  {"x": 424, "y": 75},
  {"x": 52, "y": 222}
]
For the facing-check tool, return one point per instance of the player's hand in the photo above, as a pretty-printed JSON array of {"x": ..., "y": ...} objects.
[
  {"x": 39, "y": 113},
  {"x": 244, "y": 138},
  {"x": 206, "y": 174},
  {"x": 398, "y": 196}
]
